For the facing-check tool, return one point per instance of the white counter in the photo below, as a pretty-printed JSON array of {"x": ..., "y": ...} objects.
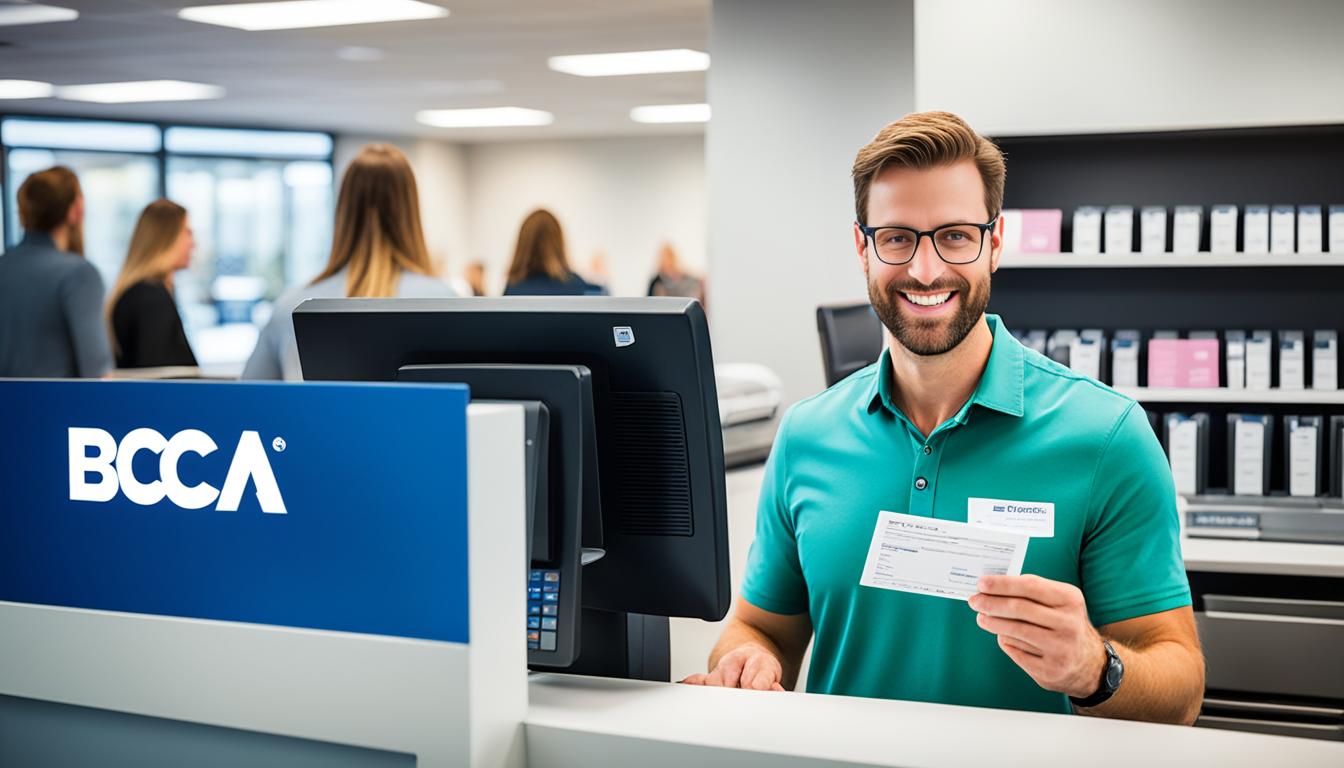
[
  {"x": 1267, "y": 557},
  {"x": 576, "y": 722}
]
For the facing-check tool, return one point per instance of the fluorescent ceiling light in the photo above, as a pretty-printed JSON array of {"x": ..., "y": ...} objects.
[
  {"x": 141, "y": 90},
  {"x": 671, "y": 113},
  {"x": 492, "y": 117},
  {"x": 24, "y": 89},
  {"x": 630, "y": 63},
  {"x": 14, "y": 14},
  {"x": 302, "y": 14}
]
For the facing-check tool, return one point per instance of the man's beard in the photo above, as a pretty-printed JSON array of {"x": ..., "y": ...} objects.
[
  {"x": 925, "y": 336},
  {"x": 75, "y": 239}
]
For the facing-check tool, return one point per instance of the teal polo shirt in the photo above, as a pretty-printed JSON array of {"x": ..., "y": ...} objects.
[{"x": 1032, "y": 431}]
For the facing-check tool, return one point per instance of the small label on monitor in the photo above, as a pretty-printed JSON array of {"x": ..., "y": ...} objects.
[{"x": 624, "y": 335}]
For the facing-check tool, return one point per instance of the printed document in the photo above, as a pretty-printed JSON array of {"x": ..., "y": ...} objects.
[{"x": 943, "y": 558}]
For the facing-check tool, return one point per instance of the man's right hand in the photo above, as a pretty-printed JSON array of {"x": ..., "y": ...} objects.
[{"x": 748, "y": 666}]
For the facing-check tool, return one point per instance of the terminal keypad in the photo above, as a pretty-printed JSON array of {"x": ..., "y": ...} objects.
[{"x": 543, "y": 609}]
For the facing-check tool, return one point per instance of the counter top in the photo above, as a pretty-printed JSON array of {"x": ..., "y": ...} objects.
[
  {"x": 579, "y": 721},
  {"x": 1269, "y": 557}
]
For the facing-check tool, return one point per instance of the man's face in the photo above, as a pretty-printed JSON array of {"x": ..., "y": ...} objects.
[{"x": 907, "y": 297}]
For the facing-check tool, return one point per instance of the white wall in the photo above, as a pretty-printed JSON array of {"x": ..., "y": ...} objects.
[
  {"x": 797, "y": 87},
  {"x": 1063, "y": 66},
  {"x": 618, "y": 196}
]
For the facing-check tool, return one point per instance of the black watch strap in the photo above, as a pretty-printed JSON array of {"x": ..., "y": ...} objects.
[{"x": 1111, "y": 675}]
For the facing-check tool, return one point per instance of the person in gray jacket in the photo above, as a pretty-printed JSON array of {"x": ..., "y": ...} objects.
[
  {"x": 50, "y": 297},
  {"x": 378, "y": 250}
]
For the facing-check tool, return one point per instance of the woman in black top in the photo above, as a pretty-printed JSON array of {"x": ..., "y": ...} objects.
[
  {"x": 540, "y": 267},
  {"x": 145, "y": 327}
]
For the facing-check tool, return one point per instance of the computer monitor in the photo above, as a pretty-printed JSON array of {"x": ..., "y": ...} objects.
[{"x": 659, "y": 446}]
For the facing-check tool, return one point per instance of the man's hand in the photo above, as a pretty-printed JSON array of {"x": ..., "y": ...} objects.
[
  {"x": 748, "y": 666},
  {"x": 1043, "y": 627}
]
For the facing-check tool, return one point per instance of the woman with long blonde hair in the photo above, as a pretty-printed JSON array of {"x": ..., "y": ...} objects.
[
  {"x": 540, "y": 266},
  {"x": 377, "y": 250},
  {"x": 142, "y": 319}
]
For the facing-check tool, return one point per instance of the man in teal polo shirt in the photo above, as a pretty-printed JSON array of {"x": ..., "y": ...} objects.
[{"x": 954, "y": 416}]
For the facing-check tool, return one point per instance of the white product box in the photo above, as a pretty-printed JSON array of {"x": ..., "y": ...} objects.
[
  {"x": 1258, "y": 355},
  {"x": 1235, "y": 354},
  {"x": 1012, "y": 229},
  {"x": 1255, "y": 232},
  {"x": 1309, "y": 229},
  {"x": 1325, "y": 360},
  {"x": 1292, "y": 360},
  {"x": 1153, "y": 229},
  {"x": 1337, "y": 229},
  {"x": 1125, "y": 359},
  {"x": 1282, "y": 223},
  {"x": 1186, "y": 223},
  {"x": 1120, "y": 229},
  {"x": 1085, "y": 356},
  {"x": 1223, "y": 229},
  {"x": 1087, "y": 230}
]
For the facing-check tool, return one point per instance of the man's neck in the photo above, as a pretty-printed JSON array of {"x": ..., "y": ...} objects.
[{"x": 929, "y": 390}]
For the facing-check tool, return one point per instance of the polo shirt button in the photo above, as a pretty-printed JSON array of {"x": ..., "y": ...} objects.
[
  {"x": 928, "y": 449},
  {"x": 921, "y": 483}
]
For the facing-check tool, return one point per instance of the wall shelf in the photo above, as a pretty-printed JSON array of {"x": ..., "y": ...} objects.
[
  {"x": 1235, "y": 396},
  {"x": 1143, "y": 260}
]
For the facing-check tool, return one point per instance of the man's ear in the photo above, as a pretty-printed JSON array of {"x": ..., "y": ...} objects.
[
  {"x": 996, "y": 244},
  {"x": 861, "y": 246}
]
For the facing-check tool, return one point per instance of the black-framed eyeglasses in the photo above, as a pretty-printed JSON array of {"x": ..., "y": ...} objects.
[{"x": 954, "y": 243}]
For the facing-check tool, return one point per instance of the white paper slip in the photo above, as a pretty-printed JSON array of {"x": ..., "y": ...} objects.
[
  {"x": 1036, "y": 519},
  {"x": 935, "y": 557}
]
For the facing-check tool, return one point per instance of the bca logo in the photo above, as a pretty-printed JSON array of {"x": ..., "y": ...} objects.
[{"x": 249, "y": 463}]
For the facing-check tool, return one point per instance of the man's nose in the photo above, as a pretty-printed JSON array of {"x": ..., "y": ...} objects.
[{"x": 925, "y": 266}]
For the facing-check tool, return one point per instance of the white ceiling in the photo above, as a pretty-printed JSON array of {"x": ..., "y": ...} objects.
[{"x": 486, "y": 53}]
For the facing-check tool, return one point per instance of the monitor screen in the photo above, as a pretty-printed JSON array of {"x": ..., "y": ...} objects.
[{"x": 655, "y": 413}]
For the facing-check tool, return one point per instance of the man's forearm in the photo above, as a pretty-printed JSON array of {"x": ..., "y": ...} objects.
[
  {"x": 739, "y": 633},
  {"x": 1164, "y": 683}
]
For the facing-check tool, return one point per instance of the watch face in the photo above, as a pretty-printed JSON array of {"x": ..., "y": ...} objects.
[{"x": 1113, "y": 674}]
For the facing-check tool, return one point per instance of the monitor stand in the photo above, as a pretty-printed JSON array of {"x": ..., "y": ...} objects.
[{"x": 634, "y": 646}]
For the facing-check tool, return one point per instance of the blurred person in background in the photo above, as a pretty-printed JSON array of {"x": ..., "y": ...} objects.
[
  {"x": 142, "y": 315},
  {"x": 50, "y": 296},
  {"x": 671, "y": 280},
  {"x": 474, "y": 274},
  {"x": 378, "y": 250},
  {"x": 540, "y": 266}
]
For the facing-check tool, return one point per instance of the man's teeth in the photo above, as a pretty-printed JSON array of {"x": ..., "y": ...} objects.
[{"x": 928, "y": 300}]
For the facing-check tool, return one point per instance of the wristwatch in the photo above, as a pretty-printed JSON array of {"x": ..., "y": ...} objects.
[{"x": 1111, "y": 676}]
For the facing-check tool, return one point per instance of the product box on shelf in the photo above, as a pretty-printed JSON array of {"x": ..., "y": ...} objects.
[
  {"x": 1258, "y": 356},
  {"x": 1125, "y": 358},
  {"x": 1337, "y": 229},
  {"x": 1120, "y": 229},
  {"x": 1282, "y": 222},
  {"x": 1250, "y": 437},
  {"x": 1186, "y": 223},
  {"x": 1309, "y": 229},
  {"x": 1223, "y": 229},
  {"x": 1305, "y": 437},
  {"x": 1234, "y": 358},
  {"x": 1292, "y": 360},
  {"x": 1255, "y": 230},
  {"x": 1087, "y": 230},
  {"x": 1325, "y": 360},
  {"x": 1183, "y": 363},
  {"x": 1032, "y": 230},
  {"x": 1187, "y": 443},
  {"x": 1153, "y": 229}
]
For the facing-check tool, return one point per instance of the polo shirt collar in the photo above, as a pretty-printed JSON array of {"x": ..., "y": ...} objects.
[
  {"x": 35, "y": 238},
  {"x": 1000, "y": 388}
]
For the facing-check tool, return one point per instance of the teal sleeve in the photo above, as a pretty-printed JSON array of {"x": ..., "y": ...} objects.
[
  {"x": 1131, "y": 562},
  {"x": 774, "y": 579}
]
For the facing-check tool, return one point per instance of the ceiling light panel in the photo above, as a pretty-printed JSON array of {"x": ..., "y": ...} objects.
[
  {"x": 630, "y": 63},
  {"x": 492, "y": 117},
  {"x": 303, "y": 14},
  {"x": 138, "y": 91},
  {"x": 14, "y": 14},
  {"x": 24, "y": 89},
  {"x": 671, "y": 113}
]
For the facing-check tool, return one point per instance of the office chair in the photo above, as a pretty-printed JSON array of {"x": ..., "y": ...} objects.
[{"x": 851, "y": 338}]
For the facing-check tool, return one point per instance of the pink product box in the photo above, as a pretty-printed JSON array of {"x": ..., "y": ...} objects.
[
  {"x": 1039, "y": 230},
  {"x": 1183, "y": 363}
]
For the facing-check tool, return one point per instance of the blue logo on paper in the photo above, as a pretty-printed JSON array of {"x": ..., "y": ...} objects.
[
  {"x": 999, "y": 508},
  {"x": 324, "y": 506}
]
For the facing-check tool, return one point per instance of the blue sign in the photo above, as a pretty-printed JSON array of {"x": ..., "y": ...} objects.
[{"x": 324, "y": 506}]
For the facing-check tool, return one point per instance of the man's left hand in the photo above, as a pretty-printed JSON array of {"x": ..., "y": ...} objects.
[{"x": 1043, "y": 627}]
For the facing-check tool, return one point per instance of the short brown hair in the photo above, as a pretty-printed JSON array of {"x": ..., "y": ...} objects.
[
  {"x": 928, "y": 140},
  {"x": 45, "y": 198}
]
